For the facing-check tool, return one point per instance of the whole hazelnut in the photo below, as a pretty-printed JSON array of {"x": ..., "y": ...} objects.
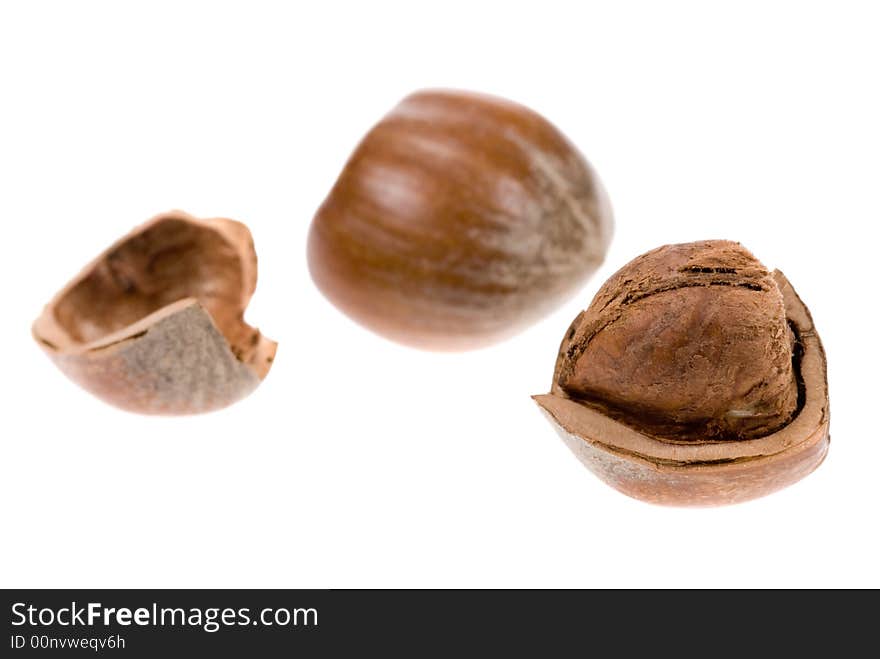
[
  {"x": 695, "y": 377},
  {"x": 155, "y": 323},
  {"x": 458, "y": 220}
]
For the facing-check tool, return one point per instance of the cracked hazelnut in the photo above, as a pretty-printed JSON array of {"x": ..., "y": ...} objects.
[
  {"x": 695, "y": 377},
  {"x": 155, "y": 323},
  {"x": 459, "y": 220}
]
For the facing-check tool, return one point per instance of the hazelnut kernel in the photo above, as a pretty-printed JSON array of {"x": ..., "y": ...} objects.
[{"x": 695, "y": 377}]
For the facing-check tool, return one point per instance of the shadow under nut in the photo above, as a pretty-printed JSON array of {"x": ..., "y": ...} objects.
[
  {"x": 155, "y": 323},
  {"x": 459, "y": 220}
]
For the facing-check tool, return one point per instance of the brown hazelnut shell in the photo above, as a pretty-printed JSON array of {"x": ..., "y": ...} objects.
[
  {"x": 459, "y": 220},
  {"x": 155, "y": 323},
  {"x": 709, "y": 473}
]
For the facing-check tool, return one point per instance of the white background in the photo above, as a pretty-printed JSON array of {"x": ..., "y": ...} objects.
[{"x": 360, "y": 463}]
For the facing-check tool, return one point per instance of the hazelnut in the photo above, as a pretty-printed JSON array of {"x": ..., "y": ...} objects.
[
  {"x": 695, "y": 377},
  {"x": 155, "y": 323},
  {"x": 459, "y": 220}
]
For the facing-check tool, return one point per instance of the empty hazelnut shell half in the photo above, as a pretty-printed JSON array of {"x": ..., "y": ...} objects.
[
  {"x": 695, "y": 377},
  {"x": 155, "y": 323},
  {"x": 459, "y": 220}
]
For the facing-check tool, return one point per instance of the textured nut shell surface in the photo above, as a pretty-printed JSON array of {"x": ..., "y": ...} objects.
[
  {"x": 706, "y": 473},
  {"x": 458, "y": 220},
  {"x": 174, "y": 360},
  {"x": 179, "y": 364},
  {"x": 697, "y": 485}
]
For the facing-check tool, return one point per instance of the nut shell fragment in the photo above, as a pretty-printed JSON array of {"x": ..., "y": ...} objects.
[{"x": 155, "y": 323}]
